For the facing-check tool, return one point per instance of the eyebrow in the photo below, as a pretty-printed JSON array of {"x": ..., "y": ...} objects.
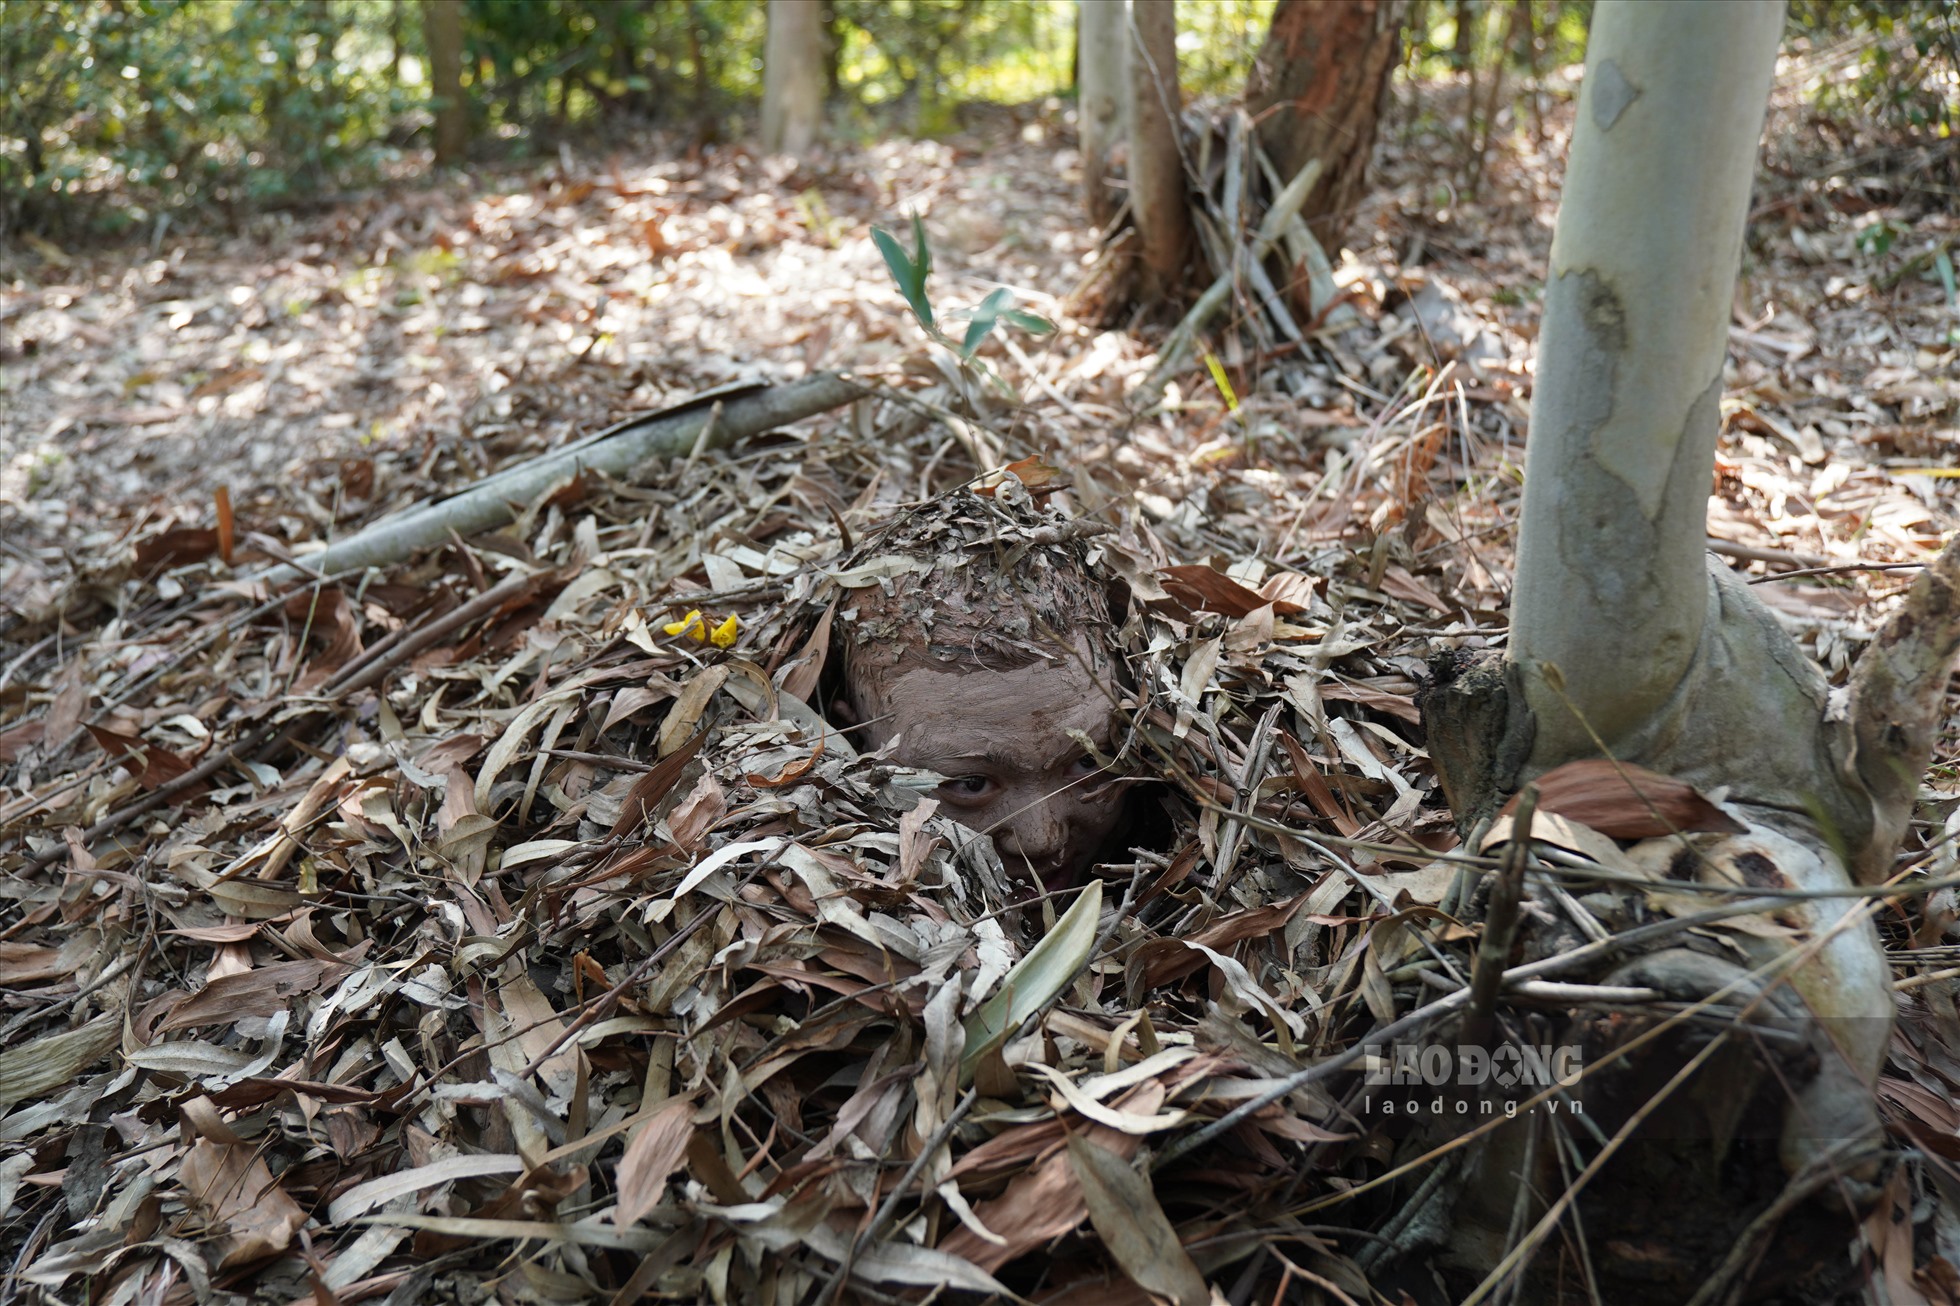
[
  {"x": 990, "y": 757},
  {"x": 994, "y": 758}
]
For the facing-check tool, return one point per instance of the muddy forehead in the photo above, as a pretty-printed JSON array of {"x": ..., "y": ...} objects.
[{"x": 1024, "y": 719}]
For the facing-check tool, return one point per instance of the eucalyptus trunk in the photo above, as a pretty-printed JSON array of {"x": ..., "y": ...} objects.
[{"x": 1629, "y": 643}]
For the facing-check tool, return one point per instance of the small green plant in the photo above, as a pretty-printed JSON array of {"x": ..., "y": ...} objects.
[
  {"x": 1874, "y": 240},
  {"x": 910, "y": 271}
]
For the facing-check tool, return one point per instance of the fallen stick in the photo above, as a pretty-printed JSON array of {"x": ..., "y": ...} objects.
[
  {"x": 619, "y": 450},
  {"x": 1170, "y": 357}
]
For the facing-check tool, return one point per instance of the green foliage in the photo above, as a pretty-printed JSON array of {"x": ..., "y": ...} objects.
[
  {"x": 920, "y": 58},
  {"x": 1217, "y": 42},
  {"x": 113, "y": 111},
  {"x": 1899, "y": 60},
  {"x": 909, "y": 273},
  {"x": 1450, "y": 36},
  {"x": 557, "y": 62},
  {"x": 161, "y": 102}
]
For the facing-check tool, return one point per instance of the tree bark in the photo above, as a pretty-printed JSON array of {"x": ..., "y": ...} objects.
[
  {"x": 1100, "y": 72},
  {"x": 1318, "y": 88},
  {"x": 442, "y": 31},
  {"x": 1157, "y": 191},
  {"x": 792, "y": 76},
  {"x": 1628, "y": 643},
  {"x": 1612, "y": 586}
]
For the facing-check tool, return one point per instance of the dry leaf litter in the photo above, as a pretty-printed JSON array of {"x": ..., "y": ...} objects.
[{"x": 548, "y": 946}]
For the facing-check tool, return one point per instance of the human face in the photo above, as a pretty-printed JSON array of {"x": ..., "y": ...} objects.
[{"x": 1001, "y": 739}]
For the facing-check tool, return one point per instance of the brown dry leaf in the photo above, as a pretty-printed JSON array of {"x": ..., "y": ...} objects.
[
  {"x": 1318, "y": 792},
  {"x": 1400, "y": 706},
  {"x": 650, "y": 789},
  {"x": 229, "y": 1186},
  {"x": 71, "y": 695},
  {"x": 26, "y": 963},
  {"x": 1289, "y": 591},
  {"x": 1939, "y": 1281},
  {"x": 1627, "y": 802},
  {"x": 325, "y": 791},
  {"x": 39, "y": 1066},
  {"x": 1398, "y": 581},
  {"x": 1046, "y": 1201},
  {"x": 806, "y": 666},
  {"x": 258, "y": 992},
  {"x": 23, "y": 963},
  {"x": 793, "y": 772},
  {"x": 698, "y": 813},
  {"x": 1931, "y": 1120},
  {"x": 1206, "y": 589},
  {"x": 1163, "y": 961},
  {"x": 653, "y": 1153},
  {"x": 175, "y": 547},
  {"x": 1888, "y": 1232},
  {"x": 154, "y": 765},
  {"x": 230, "y": 379},
  {"x": 686, "y": 712},
  {"x": 329, "y": 620},
  {"x": 1035, "y": 473},
  {"x": 227, "y": 527},
  {"x": 631, "y": 699},
  {"x": 16, "y": 740}
]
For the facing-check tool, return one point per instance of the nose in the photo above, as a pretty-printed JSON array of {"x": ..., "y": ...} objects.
[{"x": 1038, "y": 835}]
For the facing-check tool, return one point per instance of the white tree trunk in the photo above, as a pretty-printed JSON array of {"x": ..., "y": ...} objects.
[
  {"x": 1100, "y": 73},
  {"x": 792, "y": 77},
  {"x": 1627, "y": 642},
  {"x": 1156, "y": 169},
  {"x": 1625, "y": 409}
]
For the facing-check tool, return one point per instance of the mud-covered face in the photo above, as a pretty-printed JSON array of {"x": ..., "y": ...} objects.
[{"x": 1013, "y": 770}]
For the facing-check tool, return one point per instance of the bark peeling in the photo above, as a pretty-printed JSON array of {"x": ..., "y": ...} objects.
[{"x": 1611, "y": 93}]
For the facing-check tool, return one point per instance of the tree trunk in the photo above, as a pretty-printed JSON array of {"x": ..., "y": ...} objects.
[
  {"x": 1100, "y": 70},
  {"x": 1611, "y": 582},
  {"x": 1157, "y": 192},
  {"x": 1318, "y": 88},
  {"x": 442, "y": 31},
  {"x": 1463, "y": 45},
  {"x": 1628, "y": 643},
  {"x": 792, "y": 76}
]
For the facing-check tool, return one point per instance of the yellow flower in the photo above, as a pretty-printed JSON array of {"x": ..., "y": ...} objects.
[
  {"x": 691, "y": 624},
  {"x": 724, "y": 634}
]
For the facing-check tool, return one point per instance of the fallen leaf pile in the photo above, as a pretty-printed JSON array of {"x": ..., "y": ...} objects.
[{"x": 508, "y": 921}]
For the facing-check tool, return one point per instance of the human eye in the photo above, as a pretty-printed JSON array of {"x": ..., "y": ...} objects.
[
  {"x": 966, "y": 789},
  {"x": 1084, "y": 765}
]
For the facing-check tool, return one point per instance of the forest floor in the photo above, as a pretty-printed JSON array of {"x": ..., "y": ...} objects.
[{"x": 176, "y": 414}]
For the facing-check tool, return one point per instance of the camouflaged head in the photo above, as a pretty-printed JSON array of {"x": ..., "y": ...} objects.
[{"x": 991, "y": 582}]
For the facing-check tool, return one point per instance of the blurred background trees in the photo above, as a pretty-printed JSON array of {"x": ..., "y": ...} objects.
[{"x": 116, "y": 114}]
